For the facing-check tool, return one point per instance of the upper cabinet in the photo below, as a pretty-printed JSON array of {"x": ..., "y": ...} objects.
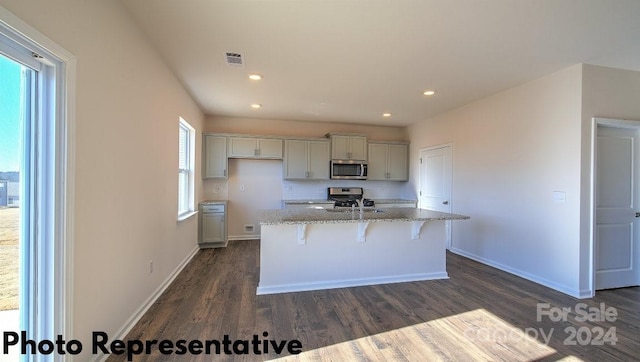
[
  {"x": 388, "y": 161},
  {"x": 348, "y": 147},
  {"x": 215, "y": 156},
  {"x": 252, "y": 147},
  {"x": 306, "y": 160}
]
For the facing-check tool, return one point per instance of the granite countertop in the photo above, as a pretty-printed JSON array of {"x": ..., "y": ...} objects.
[
  {"x": 312, "y": 216},
  {"x": 214, "y": 202}
]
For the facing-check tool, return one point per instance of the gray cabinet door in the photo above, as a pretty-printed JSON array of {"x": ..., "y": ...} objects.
[
  {"x": 318, "y": 159},
  {"x": 358, "y": 148},
  {"x": 295, "y": 159},
  {"x": 213, "y": 228},
  {"x": 215, "y": 157},
  {"x": 270, "y": 148},
  {"x": 377, "y": 164},
  {"x": 398, "y": 163},
  {"x": 243, "y": 147}
]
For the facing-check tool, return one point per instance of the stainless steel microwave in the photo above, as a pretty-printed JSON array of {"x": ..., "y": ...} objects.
[{"x": 348, "y": 170}]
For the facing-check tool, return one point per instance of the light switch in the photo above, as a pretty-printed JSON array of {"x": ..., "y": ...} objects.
[{"x": 559, "y": 196}]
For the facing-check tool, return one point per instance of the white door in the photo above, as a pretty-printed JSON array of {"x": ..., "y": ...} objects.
[
  {"x": 435, "y": 182},
  {"x": 617, "y": 227},
  {"x": 435, "y": 179}
]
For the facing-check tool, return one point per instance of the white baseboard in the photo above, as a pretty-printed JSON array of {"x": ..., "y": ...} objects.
[
  {"x": 300, "y": 287},
  {"x": 531, "y": 277},
  {"x": 131, "y": 322}
]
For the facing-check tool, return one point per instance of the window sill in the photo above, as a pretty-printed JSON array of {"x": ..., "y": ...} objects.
[{"x": 186, "y": 215}]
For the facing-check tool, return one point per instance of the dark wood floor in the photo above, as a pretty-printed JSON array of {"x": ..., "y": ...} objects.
[{"x": 480, "y": 313}]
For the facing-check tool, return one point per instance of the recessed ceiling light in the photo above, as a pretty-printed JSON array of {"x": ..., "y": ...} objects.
[
  {"x": 256, "y": 106},
  {"x": 429, "y": 92},
  {"x": 255, "y": 76},
  {"x": 386, "y": 115}
]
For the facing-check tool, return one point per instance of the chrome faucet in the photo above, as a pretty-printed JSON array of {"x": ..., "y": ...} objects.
[{"x": 360, "y": 204}]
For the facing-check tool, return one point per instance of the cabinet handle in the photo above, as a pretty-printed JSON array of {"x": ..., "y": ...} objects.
[
  {"x": 306, "y": 174},
  {"x": 256, "y": 152},
  {"x": 349, "y": 155},
  {"x": 225, "y": 172}
]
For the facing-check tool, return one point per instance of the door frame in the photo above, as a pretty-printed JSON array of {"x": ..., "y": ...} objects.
[
  {"x": 420, "y": 165},
  {"x": 595, "y": 122},
  {"x": 57, "y": 174}
]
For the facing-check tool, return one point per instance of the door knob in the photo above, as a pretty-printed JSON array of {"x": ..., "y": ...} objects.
[
  {"x": 447, "y": 203},
  {"x": 637, "y": 214}
]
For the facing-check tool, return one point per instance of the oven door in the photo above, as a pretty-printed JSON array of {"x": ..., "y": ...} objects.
[{"x": 348, "y": 170}]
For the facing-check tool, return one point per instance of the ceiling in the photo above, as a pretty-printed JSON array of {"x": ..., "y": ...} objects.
[{"x": 353, "y": 60}]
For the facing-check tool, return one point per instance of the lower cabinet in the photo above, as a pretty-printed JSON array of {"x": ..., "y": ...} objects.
[{"x": 212, "y": 230}]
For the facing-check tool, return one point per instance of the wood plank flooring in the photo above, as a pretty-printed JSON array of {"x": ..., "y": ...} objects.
[{"x": 479, "y": 313}]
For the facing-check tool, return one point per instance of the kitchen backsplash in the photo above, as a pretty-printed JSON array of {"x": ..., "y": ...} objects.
[
  {"x": 299, "y": 190},
  {"x": 302, "y": 190}
]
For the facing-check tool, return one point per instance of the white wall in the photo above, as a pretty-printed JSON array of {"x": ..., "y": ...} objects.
[
  {"x": 511, "y": 151},
  {"x": 254, "y": 185},
  {"x": 607, "y": 93},
  {"x": 218, "y": 124},
  {"x": 128, "y": 104}
]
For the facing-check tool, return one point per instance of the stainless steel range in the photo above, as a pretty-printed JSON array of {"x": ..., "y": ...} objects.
[{"x": 348, "y": 197}]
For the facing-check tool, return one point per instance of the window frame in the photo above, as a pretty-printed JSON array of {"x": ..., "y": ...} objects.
[
  {"x": 186, "y": 193},
  {"x": 52, "y": 183}
]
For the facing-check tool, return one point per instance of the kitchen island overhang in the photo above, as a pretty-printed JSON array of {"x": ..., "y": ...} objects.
[{"x": 309, "y": 249}]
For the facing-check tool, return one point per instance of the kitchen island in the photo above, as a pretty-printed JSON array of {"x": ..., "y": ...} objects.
[{"x": 309, "y": 249}]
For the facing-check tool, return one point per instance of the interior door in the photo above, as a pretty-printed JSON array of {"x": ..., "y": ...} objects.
[
  {"x": 435, "y": 179},
  {"x": 617, "y": 228},
  {"x": 435, "y": 182}
]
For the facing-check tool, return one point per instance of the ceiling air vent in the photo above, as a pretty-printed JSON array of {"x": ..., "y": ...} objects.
[{"x": 234, "y": 59}]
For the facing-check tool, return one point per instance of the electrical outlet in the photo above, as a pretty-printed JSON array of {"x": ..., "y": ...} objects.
[{"x": 150, "y": 266}]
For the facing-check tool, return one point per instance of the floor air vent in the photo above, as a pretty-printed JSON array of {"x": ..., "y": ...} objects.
[{"x": 234, "y": 59}]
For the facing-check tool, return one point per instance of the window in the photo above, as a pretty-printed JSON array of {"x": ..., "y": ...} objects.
[
  {"x": 186, "y": 148},
  {"x": 43, "y": 194}
]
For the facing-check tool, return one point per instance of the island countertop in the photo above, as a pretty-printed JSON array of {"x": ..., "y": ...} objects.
[{"x": 312, "y": 216}]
